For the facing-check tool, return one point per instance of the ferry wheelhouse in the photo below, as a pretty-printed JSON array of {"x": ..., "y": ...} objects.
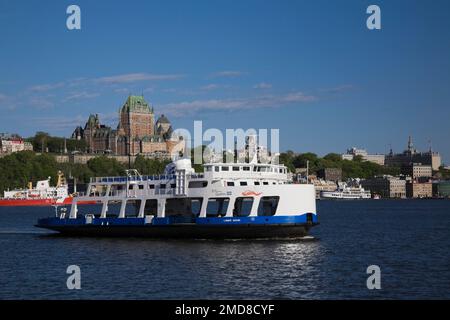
[{"x": 227, "y": 200}]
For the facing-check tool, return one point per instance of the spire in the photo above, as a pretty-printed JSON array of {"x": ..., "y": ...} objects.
[{"x": 410, "y": 144}]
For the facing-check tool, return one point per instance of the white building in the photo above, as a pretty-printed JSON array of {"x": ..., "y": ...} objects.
[
  {"x": 375, "y": 158},
  {"x": 10, "y": 143}
]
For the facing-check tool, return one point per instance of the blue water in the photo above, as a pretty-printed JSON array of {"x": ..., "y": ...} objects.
[{"x": 408, "y": 239}]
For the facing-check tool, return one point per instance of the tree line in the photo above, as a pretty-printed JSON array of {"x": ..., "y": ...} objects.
[
  {"x": 20, "y": 168},
  {"x": 356, "y": 168}
]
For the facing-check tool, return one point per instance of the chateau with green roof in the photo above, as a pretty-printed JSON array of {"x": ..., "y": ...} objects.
[
  {"x": 136, "y": 133},
  {"x": 136, "y": 104}
]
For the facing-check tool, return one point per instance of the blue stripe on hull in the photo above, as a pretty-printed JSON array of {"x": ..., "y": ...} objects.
[{"x": 258, "y": 220}]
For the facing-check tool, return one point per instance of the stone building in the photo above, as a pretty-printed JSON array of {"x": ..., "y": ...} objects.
[
  {"x": 10, "y": 143},
  {"x": 386, "y": 186},
  {"x": 136, "y": 133},
  {"x": 375, "y": 158},
  {"x": 330, "y": 174},
  {"x": 417, "y": 170},
  {"x": 415, "y": 189},
  {"x": 411, "y": 155},
  {"x": 441, "y": 189}
]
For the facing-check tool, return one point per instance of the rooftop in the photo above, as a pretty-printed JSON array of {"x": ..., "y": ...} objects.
[{"x": 136, "y": 104}]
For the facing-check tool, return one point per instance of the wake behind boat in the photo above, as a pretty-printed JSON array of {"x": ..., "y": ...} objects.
[{"x": 227, "y": 200}]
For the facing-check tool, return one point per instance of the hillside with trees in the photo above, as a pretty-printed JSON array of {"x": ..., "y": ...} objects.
[
  {"x": 19, "y": 168},
  {"x": 356, "y": 168}
]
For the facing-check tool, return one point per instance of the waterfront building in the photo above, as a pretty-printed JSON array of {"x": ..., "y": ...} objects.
[
  {"x": 136, "y": 133},
  {"x": 330, "y": 174},
  {"x": 417, "y": 170},
  {"x": 386, "y": 186},
  {"x": 10, "y": 143},
  {"x": 323, "y": 185},
  {"x": 441, "y": 189},
  {"x": 416, "y": 189},
  {"x": 375, "y": 158},
  {"x": 411, "y": 155}
]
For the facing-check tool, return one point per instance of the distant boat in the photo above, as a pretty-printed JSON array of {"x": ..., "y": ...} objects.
[
  {"x": 41, "y": 195},
  {"x": 346, "y": 192}
]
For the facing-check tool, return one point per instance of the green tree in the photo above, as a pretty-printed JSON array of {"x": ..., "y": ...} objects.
[{"x": 104, "y": 166}]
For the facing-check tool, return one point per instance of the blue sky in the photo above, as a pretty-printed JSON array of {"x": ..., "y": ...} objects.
[{"x": 310, "y": 68}]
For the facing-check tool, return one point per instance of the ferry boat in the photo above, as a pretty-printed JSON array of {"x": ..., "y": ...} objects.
[
  {"x": 226, "y": 201},
  {"x": 346, "y": 192},
  {"x": 41, "y": 195}
]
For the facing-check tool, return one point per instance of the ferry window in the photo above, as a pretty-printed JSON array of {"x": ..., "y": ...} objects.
[
  {"x": 196, "y": 205},
  {"x": 235, "y": 168},
  {"x": 208, "y": 168},
  {"x": 151, "y": 186},
  {"x": 141, "y": 187},
  {"x": 274, "y": 183},
  {"x": 230, "y": 184},
  {"x": 256, "y": 183},
  {"x": 130, "y": 187},
  {"x": 162, "y": 186},
  {"x": 242, "y": 207},
  {"x": 268, "y": 206},
  {"x": 216, "y": 168},
  {"x": 173, "y": 185},
  {"x": 217, "y": 207},
  {"x": 265, "y": 183},
  {"x": 246, "y": 168},
  {"x": 225, "y": 168},
  {"x": 243, "y": 183},
  {"x": 183, "y": 207},
  {"x": 198, "y": 184},
  {"x": 151, "y": 207},
  {"x": 281, "y": 170}
]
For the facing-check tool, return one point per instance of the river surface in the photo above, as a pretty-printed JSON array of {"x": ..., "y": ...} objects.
[{"x": 408, "y": 239}]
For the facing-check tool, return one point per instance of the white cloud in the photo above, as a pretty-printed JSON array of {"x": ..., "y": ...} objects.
[
  {"x": 40, "y": 103},
  {"x": 81, "y": 95},
  {"x": 229, "y": 74},
  {"x": 262, "y": 85},
  {"x": 210, "y": 87},
  {"x": 46, "y": 87},
  {"x": 135, "y": 77},
  {"x": 269, "y": 101}
]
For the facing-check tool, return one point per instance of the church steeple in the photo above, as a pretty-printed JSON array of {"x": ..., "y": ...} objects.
[{"x": 410, "y": 144}]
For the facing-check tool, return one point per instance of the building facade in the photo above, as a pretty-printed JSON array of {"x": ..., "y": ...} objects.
[
  {"x": 417, "y": 170},
  {"x": 136, "y": 133},
  {"x": 386, "y": 186},
  {"x": 415, "y": 189},
  {"x": 375, "y": 158},
  {"x": 411, "y": 155},
  {"x": 441, "y": 189},
  {"x": 330, "y": 174},
  {"x": 10, "y": 143}
]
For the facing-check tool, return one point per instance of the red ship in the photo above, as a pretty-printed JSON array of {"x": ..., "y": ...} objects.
[{"x": 42, "y": 195}]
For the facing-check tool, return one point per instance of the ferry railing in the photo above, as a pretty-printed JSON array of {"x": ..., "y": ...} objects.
[{"x": 124, "y": 179}]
